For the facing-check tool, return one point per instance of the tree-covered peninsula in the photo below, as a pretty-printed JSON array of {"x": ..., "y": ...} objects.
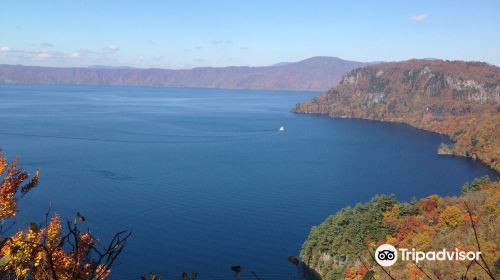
[{"x": 342, "y": 247}]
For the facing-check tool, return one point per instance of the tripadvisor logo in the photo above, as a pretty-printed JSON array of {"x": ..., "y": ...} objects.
[{"x": 387, "y": 255}]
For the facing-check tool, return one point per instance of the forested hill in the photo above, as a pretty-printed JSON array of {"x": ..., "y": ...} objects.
[
  {"x": 342, "y": 246},
  {"x": 315, "y": 74},
  {"x": 455, "y": 98}
]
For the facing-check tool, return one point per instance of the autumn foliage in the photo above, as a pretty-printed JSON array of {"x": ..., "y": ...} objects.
[
  {"x": 455, "y": 98},
  {"x": 341, "y": 247},
  {"x": 50, "y": 251}
]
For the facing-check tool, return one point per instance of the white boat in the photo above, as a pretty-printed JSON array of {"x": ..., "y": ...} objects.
[{"x": 282, "y": 128}]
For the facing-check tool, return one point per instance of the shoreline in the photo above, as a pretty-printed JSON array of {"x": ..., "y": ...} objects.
[{"x": 472, "y": 157}]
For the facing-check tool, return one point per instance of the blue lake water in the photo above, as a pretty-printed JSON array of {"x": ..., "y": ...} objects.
[{"x": 202, "y": 176}]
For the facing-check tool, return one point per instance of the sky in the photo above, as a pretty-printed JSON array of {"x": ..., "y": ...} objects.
[{"x": 189, "y": 33}]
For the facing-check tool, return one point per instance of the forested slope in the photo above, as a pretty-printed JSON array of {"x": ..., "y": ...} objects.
[
  {"x": 343, "y": 245},
  {"x": 455, "y": 98}
]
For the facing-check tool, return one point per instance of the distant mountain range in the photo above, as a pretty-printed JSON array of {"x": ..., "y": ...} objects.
[
  {"x": 456, "y": 98},
  {"x": 314, "y": 74}
]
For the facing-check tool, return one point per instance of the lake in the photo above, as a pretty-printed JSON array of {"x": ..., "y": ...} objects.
[{"x": 202, "y": 177}]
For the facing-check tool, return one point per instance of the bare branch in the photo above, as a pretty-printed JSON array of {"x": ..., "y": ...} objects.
[
  {"x": 425, "y": 273},
  {"x": 383, "y": 269},
  {"x": 486, "y": 268}
]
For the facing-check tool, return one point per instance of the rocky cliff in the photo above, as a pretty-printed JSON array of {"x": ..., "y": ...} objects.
[{"x": 455, "y": 98}]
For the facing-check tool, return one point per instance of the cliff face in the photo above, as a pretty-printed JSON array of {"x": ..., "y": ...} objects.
[
  {"x": 459, "y": 99},
  {"x": 317, "y": 73}
]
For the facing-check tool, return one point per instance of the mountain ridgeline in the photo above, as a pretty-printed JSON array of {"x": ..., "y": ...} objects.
[
  {"x": 313, "y": 74},
  {"x": 455, "y": 98}
]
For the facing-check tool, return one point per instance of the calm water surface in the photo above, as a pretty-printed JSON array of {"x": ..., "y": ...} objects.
[{"x": 202, "y": 176}]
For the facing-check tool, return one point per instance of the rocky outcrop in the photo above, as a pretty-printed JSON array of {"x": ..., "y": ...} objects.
[
  {"x": 455, "y": 98},
  {"x": 445, "y": 149}
]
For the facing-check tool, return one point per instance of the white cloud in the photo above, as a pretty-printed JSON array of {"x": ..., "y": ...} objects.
[
  {"x": 44, "y": 55},
  {"x": 53, "y": 57},
  {"x": 419, "y": 18},
  {"x": 111, "y": 48},
  {"x": 83, "y": 53}
]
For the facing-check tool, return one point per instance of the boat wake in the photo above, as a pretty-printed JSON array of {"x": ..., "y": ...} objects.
[{"x": 164, "y": 138}]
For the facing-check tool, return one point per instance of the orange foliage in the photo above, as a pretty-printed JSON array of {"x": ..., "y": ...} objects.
[
  {"x": 39, "y": 252},
  {"x": 355, "y": 273},
  {"x": 438, "y": 223},
  {"x": 11, "y": 185},
  {"x": 455, "y": 98},
  {"x": 415, "y": 273},
  {"x": 452, "y": 216}
]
